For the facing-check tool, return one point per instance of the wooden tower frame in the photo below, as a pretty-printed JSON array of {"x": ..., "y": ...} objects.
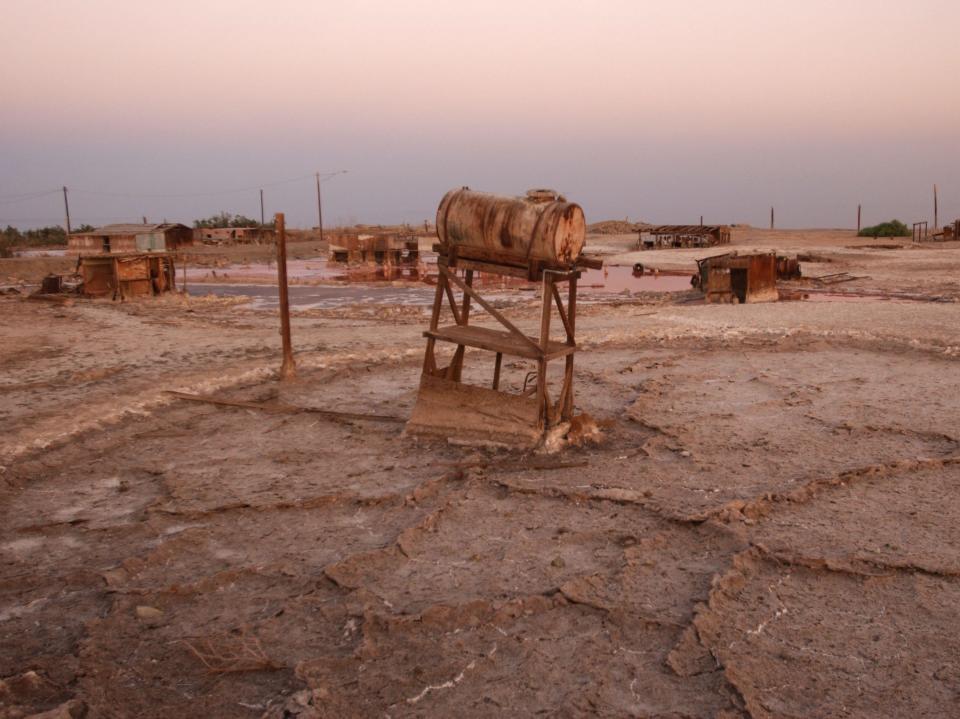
[{"x": 502, "y": 417}]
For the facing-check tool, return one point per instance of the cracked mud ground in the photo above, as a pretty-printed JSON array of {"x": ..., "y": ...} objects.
[{"x": 769, "y": 529}]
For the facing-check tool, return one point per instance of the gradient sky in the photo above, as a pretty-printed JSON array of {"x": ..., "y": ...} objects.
[{"x": 660, "y": 111}]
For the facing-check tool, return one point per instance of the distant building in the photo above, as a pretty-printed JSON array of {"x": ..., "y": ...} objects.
[
  {"x": 126, "y": 238},
  {"x": 662, "y": 236},
  {"x": 229, "y": 235}
]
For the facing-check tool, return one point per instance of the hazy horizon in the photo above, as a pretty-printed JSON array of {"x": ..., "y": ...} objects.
[{"x": 653, "y": 111}]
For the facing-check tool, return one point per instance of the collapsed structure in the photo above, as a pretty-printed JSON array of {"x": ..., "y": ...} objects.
[
  {"x": 538, "y": 237},
  {"x": 661, "y": 236}
]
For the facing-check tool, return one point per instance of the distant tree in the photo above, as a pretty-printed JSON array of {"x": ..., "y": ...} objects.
[
  {"x": 893, "y": 228},
  {"x": 83, "y": 228}
]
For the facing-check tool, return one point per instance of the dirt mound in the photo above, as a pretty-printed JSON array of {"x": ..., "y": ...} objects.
[{"x": 611, "y": 227}]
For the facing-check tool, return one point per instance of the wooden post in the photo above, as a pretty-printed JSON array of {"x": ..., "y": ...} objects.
[
  {"x": 935, "y": 209},
  {"x": 288, "y": 369}
]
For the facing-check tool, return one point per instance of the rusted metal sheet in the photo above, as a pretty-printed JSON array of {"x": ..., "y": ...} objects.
[
  {"x": 736, "y": 278},
  {"x": 122, "y": 276},
  {"x": 541, "y": 226}
]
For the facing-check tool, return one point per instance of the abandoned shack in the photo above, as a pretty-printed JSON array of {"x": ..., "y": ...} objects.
[
  {"x": 663, "y": 236},
  {"x": 374, "y": 249},
  {"x": 735, "y": 278},
  {"x": 126, "y": 238},
  {"x": 231, "y": 235},
  {"x": 131, "y": 275}
]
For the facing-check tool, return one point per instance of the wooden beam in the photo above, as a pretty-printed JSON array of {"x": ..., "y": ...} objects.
[
  {"x": 563, "y": 315},
  {"x": 489, "y": 308}
]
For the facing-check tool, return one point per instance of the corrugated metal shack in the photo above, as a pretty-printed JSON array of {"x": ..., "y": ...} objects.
[
  {"x": 374, "y": 249},
  {"x": 230, "y": 235},
  {"x": 125, "y": 238},
  {"x": 661, "y": 236},
  {"x": 736, "y": 278},
  {"x": 122, "y": 276}
]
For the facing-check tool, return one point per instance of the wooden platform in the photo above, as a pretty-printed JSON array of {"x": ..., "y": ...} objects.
[
  {"x": 470, "y": 414},
  {"x": 498, "y": 341}
]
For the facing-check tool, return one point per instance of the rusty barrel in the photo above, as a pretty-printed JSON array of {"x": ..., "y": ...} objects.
[{"x": 541, "y": 226}]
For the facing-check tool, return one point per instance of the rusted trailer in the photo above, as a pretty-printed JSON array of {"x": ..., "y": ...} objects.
[
  {"x": 662, "y": 236},
  {"x": 538, "y": 237},
  {"x": 131, "y": 275},
  {"x": 737, "y": 279}
]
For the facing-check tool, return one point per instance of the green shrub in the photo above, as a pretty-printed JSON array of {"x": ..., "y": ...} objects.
[{"x": 894, "y": 228}]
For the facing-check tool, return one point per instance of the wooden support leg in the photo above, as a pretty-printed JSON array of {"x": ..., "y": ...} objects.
[
  {"x": 567, "y": 408},
  {"x": 464, "y": 319},
  {"x": 542, "y": 400},
  {"x": 496, "y": 370}
]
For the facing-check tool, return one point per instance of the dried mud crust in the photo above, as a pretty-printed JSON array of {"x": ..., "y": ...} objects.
[{"x": 226, "y": 562}]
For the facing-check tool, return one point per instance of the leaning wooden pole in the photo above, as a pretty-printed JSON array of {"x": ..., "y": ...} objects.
[{"x": 288, "y": 369}]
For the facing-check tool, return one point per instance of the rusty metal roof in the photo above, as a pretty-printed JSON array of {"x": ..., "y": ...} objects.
[
  {"x": 682, "y": 229},
  {"x": 130, "y": 229}
]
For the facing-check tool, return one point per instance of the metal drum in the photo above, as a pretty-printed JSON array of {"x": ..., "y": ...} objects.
[{"x": 541, "y": 226}]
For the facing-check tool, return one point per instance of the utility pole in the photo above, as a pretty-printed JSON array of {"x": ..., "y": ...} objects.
[
  {"x": 859, "y": 207},
  {"x": 261, "y": 208},
  {"x": 771, "y": 218},
  {"x": 66, "y": 207},
  {"x": 319, "y": 209},
  {"x": 288, "y": 369}
]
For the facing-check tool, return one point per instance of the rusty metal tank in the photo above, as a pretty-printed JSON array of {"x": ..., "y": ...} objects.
[{"x": 541, "y": 226}]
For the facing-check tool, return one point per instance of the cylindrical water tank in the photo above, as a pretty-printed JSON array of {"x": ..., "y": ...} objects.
[{"x": 541, "y": 226}]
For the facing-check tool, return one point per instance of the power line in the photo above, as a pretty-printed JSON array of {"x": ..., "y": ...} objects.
[
  {"x": 254, "y": 188},
  {"x": 12, "y": 199}
]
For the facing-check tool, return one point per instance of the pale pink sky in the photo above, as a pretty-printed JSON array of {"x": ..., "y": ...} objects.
[{"x": 660, "y": 111}]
